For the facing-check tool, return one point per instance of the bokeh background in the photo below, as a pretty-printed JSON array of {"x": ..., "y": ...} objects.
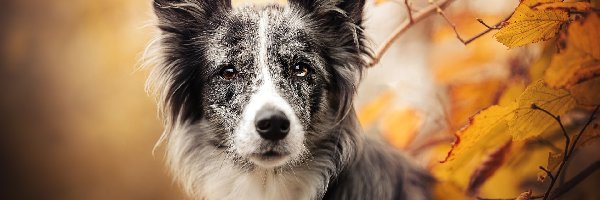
[
  {"x": 76, "y": 123},
  {"x": 74, "y": 117}
]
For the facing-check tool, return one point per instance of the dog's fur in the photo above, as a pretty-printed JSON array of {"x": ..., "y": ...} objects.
[{"x": 212, "y": 146}]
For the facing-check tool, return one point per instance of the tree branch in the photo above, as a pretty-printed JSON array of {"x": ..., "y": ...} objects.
[
  {"x": 467, "y": 41},
  {"x": 404, "y": 26},
  {"x": 561, "y": 190},
  {"x": 569, "y": 148},
  {"x": 575, "y": 180},
  {"x": 564, "y": 188},
  {"x": 548, "y": 172},
  {"x": 409, "y": 11}
]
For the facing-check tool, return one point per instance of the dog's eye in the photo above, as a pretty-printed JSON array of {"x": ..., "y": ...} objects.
[
  {"x": 228, "y": 72},
  {"x": 301, "y": 69}
]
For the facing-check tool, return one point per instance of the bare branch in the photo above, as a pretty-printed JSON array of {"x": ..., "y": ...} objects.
[
  {"x": 441, "y": 12},
  {"x": 467, "y": 41},
  {"x": 416, "y": 17},
  {"x": 575, "y": 180},
  {"x": 409, "y": 11},
  {"x": 562, "y": 127},
  {"x": 569, "y": 148},
  {"x": 548, "y": 172},
  {"x": 561, "y": 190},
  {"x": 488, "y": 26}
]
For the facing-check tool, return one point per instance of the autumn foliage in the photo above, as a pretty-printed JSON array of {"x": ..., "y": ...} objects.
[{"x": 515, "y": 135}]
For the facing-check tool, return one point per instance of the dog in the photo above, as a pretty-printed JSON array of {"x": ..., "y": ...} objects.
[{"x": 257, "y": 103}]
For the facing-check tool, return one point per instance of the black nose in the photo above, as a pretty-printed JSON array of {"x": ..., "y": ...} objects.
[{"x": 272, "y": 124}]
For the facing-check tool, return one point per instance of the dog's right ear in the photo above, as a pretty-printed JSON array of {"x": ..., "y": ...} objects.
[{"x": 177, "y": 15}]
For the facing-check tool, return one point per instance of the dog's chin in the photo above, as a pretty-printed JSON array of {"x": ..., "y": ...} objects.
[{"x": 270, "y": 159}]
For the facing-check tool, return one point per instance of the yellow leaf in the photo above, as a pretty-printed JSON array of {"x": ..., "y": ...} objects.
[
  {"x": 567, "y": 6},
  {"x": 580, "y": 61},
  {"x": 585, "y": 35},
  {"x": 528, "y": 122},
  {"x": 570, "y": 67},
  {"x": 486, "y": 130},
  {"x": 522, "y": 161},
  {"x": 448, "y": 191},
  {"x": 487, "y": 168},
  {"x": 527, "y": 25},
  {"x": 512, "y": 91},
  {"x": 532, "y": 3},
  {"x": 587, "y": 93}
]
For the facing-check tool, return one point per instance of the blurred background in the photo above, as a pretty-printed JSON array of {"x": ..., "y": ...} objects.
[
  {"x": 74, "y": 117},
  {"x": 76, "y": 123}
]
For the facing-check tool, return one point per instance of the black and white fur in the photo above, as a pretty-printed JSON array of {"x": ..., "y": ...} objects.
[{"x": 213, "y": 148}]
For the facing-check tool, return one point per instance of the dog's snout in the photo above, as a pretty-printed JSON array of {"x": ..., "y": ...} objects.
[{"x": 272, "y": 124}]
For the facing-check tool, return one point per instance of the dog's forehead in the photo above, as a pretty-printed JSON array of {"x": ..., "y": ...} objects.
[{"x": 237, "y": 36}]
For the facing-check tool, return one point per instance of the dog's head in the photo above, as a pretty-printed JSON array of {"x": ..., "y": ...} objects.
[{"x": 264, "y": 83}]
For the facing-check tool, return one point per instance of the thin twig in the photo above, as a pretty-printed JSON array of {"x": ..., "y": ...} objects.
[
  {"x": 566, "y": 150},
  {"x": 488, "y": 26},
  {"x": 443, "y": 14},
  {"x": 404, "y": 26},
  {"x": 467, "y": 41},
  {"x": 562, "y": 127},
  {"x": 575, "y": 180},
  {"x": 592, "y": 117},
  {"x": 548, "y": 172},
  {"x": 409, "y": 9},
  {"x": 561, "y": 190},
  {"x": 569, "y": 148}
]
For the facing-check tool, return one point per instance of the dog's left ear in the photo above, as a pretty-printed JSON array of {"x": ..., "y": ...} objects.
[{"x": 353, "y": 9}]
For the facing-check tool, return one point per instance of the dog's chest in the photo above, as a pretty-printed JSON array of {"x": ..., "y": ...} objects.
[{"x": 230, "y": 184}]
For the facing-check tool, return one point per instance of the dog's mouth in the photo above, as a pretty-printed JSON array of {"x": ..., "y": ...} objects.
[
  {"x": 270, "y": 158},
  {"x": 270, "y": 155}
]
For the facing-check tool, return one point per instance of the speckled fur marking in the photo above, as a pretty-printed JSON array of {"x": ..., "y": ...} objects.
[{"x": 209, "y": 129}]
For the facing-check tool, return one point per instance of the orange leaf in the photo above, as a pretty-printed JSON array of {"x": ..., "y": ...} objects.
[
  {"x": 467, "y": 99},
  {"x": 584, "y": 35},
  {"x": 400, "y": 127},
  {"x": 373, "y": 109},
  {"x": 586, "y": 93},
  {"x": 486, "y": 169}
]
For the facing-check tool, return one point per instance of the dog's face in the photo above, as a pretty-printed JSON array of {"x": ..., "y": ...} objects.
[{"x": 265, "y": 84}]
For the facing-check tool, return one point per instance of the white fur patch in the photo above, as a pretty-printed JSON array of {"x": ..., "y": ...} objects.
[
  {"x": 258, "y": 185},
  {"x": 246, "y": 139},
  {"x": 228, "y": 182},
  {"x": 208, "y": 174}
]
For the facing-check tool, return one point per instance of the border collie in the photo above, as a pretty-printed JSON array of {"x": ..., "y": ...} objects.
[{"x": 257, "y": 103}]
